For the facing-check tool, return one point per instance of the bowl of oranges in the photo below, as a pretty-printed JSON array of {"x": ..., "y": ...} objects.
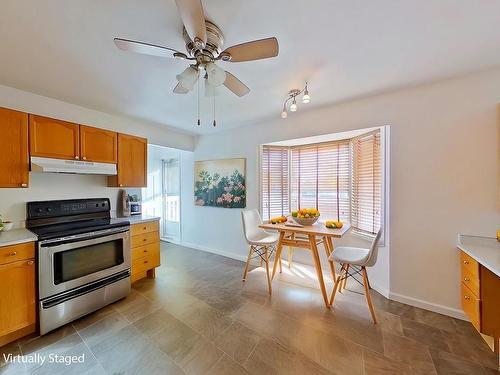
[{"x": 306, "y": 216}]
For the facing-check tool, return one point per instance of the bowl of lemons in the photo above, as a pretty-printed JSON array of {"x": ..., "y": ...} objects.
[{"x": 306, "y": 216}]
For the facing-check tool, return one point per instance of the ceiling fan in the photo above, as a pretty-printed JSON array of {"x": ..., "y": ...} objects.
[{"x": 204, "y": 41}]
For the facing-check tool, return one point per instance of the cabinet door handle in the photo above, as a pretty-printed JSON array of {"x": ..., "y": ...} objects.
[
  {"x": 466, "y": 279},
  {"x": 13, "y": 254},
  {"x": 30, "y": 262},
  {"x": 466, "y": 262},
  {"x": 145, "y": 251},
  {"x": 145, "y": 262},
  {"x": 84, "y": 158},
  {"x": 77, "y": 157},
  {"x": 120, "y": 185},
  {"x": 144, "y": 239},
  {"x": 24, "y": 185},
  {"x": 467, "y": 298}
]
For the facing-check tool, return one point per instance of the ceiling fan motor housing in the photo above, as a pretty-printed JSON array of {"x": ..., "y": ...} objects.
[{"x": 213, "y": 47}]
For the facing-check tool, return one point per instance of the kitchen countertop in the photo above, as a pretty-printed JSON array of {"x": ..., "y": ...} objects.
[
  {"x": 16, "y": 236},
  {"x": 485, "y": 250},
  {"x": 137, "y": 219}
]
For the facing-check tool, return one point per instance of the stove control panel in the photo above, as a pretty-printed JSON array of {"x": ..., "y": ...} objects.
[{"x": 45, "y": 209}]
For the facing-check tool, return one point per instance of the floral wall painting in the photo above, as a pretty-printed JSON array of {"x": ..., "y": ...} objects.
[{"x": 220, "y": 183}]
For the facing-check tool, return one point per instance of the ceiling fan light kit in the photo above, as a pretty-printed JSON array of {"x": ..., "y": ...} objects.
[
  {"x": 188, "y": 77},
  {"x": 292, "y": 97},
  {"x": 204, "y": 41}
]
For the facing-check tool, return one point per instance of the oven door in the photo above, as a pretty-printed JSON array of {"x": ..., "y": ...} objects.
[{"x": 69, "y": 262}]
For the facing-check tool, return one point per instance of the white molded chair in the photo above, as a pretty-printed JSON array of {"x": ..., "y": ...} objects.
[
  {"x": 261, "y": 243},
  {"x": 357, "y": 259}
]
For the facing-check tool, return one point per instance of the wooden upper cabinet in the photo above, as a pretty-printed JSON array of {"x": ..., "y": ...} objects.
[
  {"x": 14, "y": 161},
  {"x": 50, "y": 138},
  {"x": 98, "y": 145},
  {"x": 132, "y": 162}
]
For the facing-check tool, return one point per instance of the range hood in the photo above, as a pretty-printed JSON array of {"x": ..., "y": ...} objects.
[{"x": 71, "y": 166}]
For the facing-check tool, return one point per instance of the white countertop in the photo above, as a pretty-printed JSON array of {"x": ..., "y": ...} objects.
[
  {"x": 137, "y": 219},
  {"x": 16, "y": 236},
  {"x": 485, "y": 250}
]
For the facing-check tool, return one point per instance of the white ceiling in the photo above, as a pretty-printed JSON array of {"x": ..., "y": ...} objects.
[{"x": 345, "y": 49}]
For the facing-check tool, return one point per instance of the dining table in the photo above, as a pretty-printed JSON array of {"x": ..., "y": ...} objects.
[{"x": 308, "y": 237}]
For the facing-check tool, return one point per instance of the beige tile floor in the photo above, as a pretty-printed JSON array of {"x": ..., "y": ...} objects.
[{"x": 197, "y": 317}]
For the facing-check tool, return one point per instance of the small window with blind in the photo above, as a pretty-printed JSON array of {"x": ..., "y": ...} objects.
[{"x": 342, "y": 178}]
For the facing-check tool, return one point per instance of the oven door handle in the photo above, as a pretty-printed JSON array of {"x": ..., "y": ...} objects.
[
  {"x": 82, "y": 237},
  {"x": 75, "y": 243}
]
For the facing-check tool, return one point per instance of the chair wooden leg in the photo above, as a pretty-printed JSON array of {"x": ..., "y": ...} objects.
[
  {"x": 250, "y": 250},
  {"x": 281, "y": 266},
  {"x": 338, "y": 280},
  {"x": 346, "y": 277},
  {"x": 367, "y": 294},
  {"x": 267, "y": 269},
  {"x": 290, "y": 256}
]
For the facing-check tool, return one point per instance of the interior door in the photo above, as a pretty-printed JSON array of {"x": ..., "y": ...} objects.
[
  {"x": 52, "y": 138},
  {"x": 171, "y": 200},
  {"x": 98, "y": 145},
  {"x": 14, "y": 163}
]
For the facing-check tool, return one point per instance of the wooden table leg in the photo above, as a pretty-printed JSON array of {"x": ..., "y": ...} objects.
[
  {"x": 329, "y": 251},
  {"x": 319, "y": 272},
  {"x": 496, "y": 348},
  {"x": 278, "y": 253}
]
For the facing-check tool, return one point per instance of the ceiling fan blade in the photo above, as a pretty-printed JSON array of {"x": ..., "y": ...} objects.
[
  {"x": 193, "y": 18},
  {"x": 179, "y": 89},
  {"x": 235, "y": 85},
  {"x": 255, "y": 50},
  {"x": 144, "y": 48}
]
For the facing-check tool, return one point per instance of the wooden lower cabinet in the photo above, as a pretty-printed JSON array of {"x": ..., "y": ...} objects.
[
  {"x": 480, "y": 295},
  {"x": 145, "y": 248},
  {"x": 17, "y": 292}
]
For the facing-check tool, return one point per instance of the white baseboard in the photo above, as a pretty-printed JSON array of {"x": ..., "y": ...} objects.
[
  {"x": 215, "y": 251},
  {"x": 440, "y": 309},
  {"x": 426, "y": 305}
]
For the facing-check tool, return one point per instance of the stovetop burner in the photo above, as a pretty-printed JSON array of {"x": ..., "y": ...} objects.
[{"x": 62, "y": 218}]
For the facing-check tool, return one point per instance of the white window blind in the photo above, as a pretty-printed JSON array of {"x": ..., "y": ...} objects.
[
  {"x": 366, "y": 186},
  {"x": 274, "y": 181},
  {"x": 320, "y": 179}
]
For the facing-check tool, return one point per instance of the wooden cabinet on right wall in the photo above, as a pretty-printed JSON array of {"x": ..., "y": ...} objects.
[{"x": 132, "y": 162}]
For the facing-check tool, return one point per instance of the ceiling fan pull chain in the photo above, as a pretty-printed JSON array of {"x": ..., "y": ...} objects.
[
  {"x": 215, "y": 123},
  {"x": 199, "y": 122}
]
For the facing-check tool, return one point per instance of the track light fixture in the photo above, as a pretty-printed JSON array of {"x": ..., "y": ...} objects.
[{"x": 292, "y": 96}]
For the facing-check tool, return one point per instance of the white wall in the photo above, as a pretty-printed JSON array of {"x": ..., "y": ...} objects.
[
  {"x": 57, "y": 186},
  {"x": 444, "y": 177}
]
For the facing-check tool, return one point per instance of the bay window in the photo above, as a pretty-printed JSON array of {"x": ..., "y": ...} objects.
[{"x": 341, "y": 178}]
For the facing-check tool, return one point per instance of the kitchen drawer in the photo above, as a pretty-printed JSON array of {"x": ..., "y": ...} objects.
[
  {"x": 15, "y": 253},
  {"x": 150, "y": 226},
  {"x": 142, "y": 251},
  {"x": 144, "y": 239},
  {"x": 471, "y": 281},
  {"x": 469, "y": 265},
  {"x": 471, "y": 306},
  {"x": 145, "y": 263}
]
